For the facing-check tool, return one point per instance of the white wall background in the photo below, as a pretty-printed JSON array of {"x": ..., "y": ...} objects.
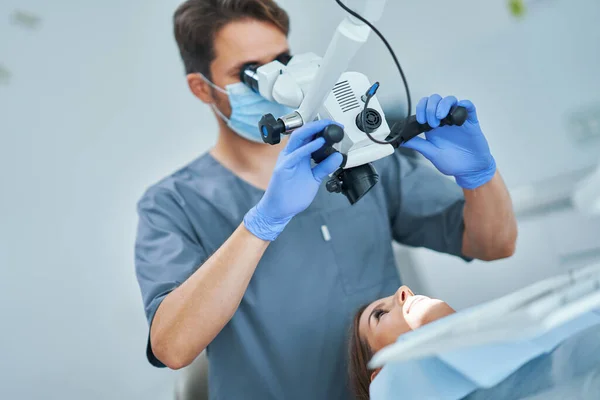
[{"x": 97, "y": 110}]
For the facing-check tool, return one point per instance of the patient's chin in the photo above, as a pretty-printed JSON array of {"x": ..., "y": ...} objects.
[{"x": 426, "y": 310}]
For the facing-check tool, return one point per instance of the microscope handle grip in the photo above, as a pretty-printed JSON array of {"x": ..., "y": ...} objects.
[
  {"x": 457, "y": 116},
  {"x": 411, "y": 127},
  {"x": 332, "y": 134}
]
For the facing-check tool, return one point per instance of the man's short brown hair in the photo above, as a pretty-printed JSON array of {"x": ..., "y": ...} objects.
[{"x": 196, "y": 22}]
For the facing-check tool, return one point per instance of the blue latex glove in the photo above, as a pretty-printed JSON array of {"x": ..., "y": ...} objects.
[
  {"x": 459, "y": 151},
  {"x": 294, "y": 183}
]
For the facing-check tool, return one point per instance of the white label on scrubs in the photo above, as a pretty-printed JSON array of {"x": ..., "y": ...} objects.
[{"x": 325, "y": 232}]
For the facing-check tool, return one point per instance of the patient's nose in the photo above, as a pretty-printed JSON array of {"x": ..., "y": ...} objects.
[{"x": 402, "y": 294}]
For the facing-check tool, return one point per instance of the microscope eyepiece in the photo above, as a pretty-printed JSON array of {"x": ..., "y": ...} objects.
[{"x": 249, "y": 77}]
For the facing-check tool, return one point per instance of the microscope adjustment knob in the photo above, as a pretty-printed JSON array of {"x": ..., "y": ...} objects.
[
  {"x": 334, "y": 185},
  {"x": 271, "y": 129},
  {"x": 373, "y": 120}
]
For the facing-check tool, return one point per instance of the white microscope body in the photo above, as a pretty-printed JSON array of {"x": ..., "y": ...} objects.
[{"x": 321, "y": 88}]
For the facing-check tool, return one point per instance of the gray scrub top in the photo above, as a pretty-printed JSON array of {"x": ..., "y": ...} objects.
[{"x": 288, "y": 338}]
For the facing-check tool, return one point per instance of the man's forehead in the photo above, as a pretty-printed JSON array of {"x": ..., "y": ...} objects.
[{"x": 249, "y": 40}]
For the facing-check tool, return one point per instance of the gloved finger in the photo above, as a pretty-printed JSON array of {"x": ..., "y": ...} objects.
[
  {"x": 304, "y": 134},
  {"x": 443, "y": 109},
  {"x": 327, "y": 166},
  {"x": 432, "y": 105},
  {"x": 425, "y": 147},
  {"x": 421, "y": 108},
  {"x": 471, "y": 111},
  {"x": 303, "y": 152}
]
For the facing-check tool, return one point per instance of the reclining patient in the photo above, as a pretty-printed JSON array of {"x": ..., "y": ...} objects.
[{"x": 382, "y": 322}]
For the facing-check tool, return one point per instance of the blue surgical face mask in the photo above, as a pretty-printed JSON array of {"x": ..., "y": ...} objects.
[{"x": 247, "y": 108}]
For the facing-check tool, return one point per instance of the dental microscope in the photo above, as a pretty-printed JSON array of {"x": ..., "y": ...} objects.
[{"x": 321, "y": 88}]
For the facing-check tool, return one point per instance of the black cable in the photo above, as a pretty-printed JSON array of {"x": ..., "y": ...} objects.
[
  {"x": 385, "y": 42},
  {"x": 363, "y": 118}
]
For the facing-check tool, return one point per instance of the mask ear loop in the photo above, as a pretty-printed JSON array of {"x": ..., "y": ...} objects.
[
  {"x": 220, "y": 89},
  {"x": 219, "y": 113},
  {"x": 213, "y": 105}
]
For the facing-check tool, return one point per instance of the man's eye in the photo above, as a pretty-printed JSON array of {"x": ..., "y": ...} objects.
[
  {"x": 284, "y": 58},
  {"x": 379, "y": 313}
]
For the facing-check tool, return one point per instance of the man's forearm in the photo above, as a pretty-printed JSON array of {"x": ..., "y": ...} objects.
[
  {"x": 191, "y": 316},
  {"x": 490, "y": 225}
]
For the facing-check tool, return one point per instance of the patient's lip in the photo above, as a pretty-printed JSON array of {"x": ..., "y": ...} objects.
[{"x": 412, "y": 300}]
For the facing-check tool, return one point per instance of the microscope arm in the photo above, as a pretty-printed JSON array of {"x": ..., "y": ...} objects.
[{"x": 350, "y": 35}]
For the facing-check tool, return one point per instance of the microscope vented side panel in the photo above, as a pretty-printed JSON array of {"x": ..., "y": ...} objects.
[{"x": 345, "y": 96}]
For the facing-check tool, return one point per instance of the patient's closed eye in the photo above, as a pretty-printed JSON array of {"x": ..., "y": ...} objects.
[{"x": 378, "y": 313}]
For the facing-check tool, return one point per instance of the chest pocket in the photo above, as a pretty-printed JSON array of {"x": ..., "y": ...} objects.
[{"x": 361, "y": 242}]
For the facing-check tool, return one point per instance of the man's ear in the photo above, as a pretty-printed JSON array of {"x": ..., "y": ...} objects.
[
  {"x": 374, "y": 374},
  {"x": 200, "y": 88}
]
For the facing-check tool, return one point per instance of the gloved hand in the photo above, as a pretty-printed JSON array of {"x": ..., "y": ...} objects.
[
  {"x": 294, "y": 183},
  {"x": 459, "y": 151}
]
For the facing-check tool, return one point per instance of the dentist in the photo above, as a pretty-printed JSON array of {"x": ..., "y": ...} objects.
[{"x": 244, "y": 253}]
